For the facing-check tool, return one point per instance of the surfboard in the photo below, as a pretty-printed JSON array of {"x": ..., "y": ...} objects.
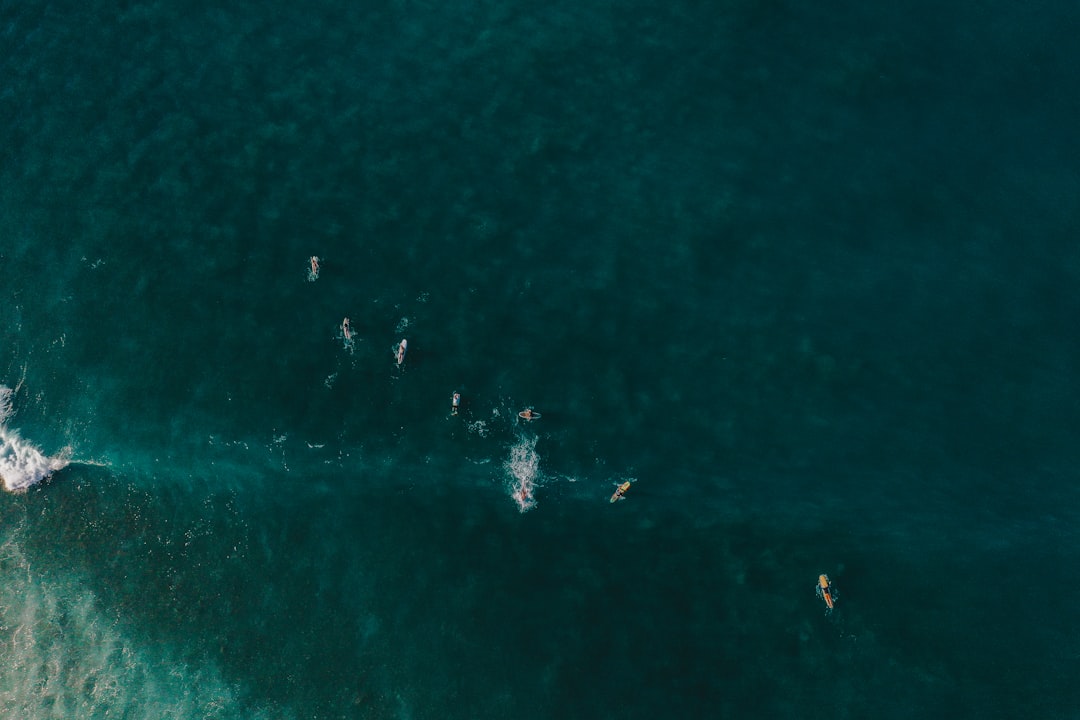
[{"x": 621, "y": 492}]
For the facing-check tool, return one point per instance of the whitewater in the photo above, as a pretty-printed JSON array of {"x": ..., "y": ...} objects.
[{"x": 21, "y": 464}]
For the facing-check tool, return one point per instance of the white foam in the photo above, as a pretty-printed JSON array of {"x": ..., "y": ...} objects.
[
  {"x": 523, "y": 470},
  {"x": 22, "y": 464},
  {"x": 7, "y": 396},
  {"x": 65, "y": 657},
  {"x": 347, "y": 341}
]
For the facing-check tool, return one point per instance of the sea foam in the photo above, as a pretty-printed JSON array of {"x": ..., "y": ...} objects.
[
  {"x": 22, "y": 464},
  {"x": 523, "y": 468},
  {"x": 66, "y": 656}
]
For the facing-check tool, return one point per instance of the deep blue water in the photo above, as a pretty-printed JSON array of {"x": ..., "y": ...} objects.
[{"x": 807, "y": 275}]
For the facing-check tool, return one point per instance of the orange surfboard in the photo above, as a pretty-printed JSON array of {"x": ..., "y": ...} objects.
[
  {"x": 620, "y": 491},
  {"x": 824, "y": 590}
]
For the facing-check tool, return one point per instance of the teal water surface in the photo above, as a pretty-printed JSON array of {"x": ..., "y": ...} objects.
[{"x": 807, "y": 276}]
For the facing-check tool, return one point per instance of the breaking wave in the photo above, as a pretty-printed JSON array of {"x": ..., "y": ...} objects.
[{"x": 22, "y": 464}]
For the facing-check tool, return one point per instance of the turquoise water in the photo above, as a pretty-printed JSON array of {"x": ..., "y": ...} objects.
[{"x": 806, "y": 275}]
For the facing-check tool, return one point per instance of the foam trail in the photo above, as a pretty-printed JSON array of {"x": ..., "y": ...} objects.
[
  {"x": 22, "y": 464},
  {"x": 523, "y": 467}
]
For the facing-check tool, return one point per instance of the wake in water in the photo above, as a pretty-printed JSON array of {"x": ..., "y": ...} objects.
[
  {"x": 523, "y": 469},
  {"x": 346, "y": 335},
  {"x": 22, "y": 464}
]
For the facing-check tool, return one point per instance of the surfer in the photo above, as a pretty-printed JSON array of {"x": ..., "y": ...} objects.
[
  {"x": 825, "y": 592},
  {"x": 455, "y": 403},
  {"x": 346, "y": 330},
  {"x": 315, "y": 266},
  {"x": 529, "y": 414},
  {"x": 620, "y": 492},
  {"x": 401, "y": 348}
]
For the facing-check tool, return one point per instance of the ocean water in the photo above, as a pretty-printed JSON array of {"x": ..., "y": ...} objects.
[{"x": 806, "y": 274}]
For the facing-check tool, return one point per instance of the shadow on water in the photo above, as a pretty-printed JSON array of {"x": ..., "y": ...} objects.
[{"x": 382, "y": 602}]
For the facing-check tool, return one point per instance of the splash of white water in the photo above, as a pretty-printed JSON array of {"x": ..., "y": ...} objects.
[
  {"x": 22, "y": 464},
  {"x": 523, "y": 467}
]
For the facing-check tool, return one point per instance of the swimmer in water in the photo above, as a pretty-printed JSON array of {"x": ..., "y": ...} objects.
[
  {"x": 401, "y": 348},
  {"x": 455, "y": 403},
  {"x": 529, "y": 414},
  {"x": 346, "y": 329}
]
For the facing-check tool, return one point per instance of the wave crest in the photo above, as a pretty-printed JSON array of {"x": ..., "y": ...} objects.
[{"x": 22, "y": 464}]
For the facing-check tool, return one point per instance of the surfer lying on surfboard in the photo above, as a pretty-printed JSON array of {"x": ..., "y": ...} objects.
[
  {"x": 401, "y": 348},
  {"x": 314, "y": 268},
  {"x": 455, "y": 403},
  {"x": 620, "y": 492},
  {"x": 346, "y": 329},
  {"x": 825, "y": 591}
]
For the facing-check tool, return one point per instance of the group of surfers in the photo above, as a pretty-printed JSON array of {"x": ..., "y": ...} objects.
[{"x": 824, "y": 587}]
